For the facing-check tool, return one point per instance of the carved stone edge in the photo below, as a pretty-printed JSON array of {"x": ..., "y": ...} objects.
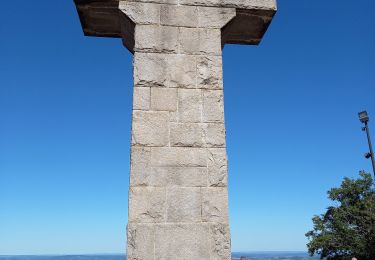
[{"x": 104, "y": 19}]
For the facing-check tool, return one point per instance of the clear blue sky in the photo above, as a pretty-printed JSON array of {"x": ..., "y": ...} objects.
[{"x": 291, "y": 117}]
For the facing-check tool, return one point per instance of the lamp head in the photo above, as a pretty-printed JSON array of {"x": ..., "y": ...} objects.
[{"x": 363, "y": 117}]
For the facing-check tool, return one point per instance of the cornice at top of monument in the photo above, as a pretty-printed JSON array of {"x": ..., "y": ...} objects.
[
  {"x": 243, "y": 4},
  {"x": 104, "y": 18}
]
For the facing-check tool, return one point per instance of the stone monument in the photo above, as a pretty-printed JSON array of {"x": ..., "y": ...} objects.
[{"x": 178, "y": 197}]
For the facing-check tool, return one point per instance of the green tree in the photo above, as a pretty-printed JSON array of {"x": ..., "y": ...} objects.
[{"x": 347, "y": 229}]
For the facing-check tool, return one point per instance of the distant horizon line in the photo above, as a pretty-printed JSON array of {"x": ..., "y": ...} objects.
[{"x": 93, "y": 254}]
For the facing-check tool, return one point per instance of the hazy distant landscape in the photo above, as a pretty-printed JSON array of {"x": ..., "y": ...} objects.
[
  {"x": 273, "y": 255},
  {"x": 235, "y": 256}
]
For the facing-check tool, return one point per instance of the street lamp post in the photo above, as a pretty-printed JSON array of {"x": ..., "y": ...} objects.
[{"x": 364, "y": 118}]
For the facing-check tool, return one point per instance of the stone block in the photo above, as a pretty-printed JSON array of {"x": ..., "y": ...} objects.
[
  {"x": 179, "y": 15},
  {"x": 173, "y": 116},
  {"x": 217, "y": 167},
  {"x": 213, "y": 106},
  {"x": 149, "y": 69},
  {"x": 164, "y": 99},
  {"x": 185, "y": 176},
  {"x": 150, "y": 128},
  {"x": 219, "y": 241},
  {"x": 164, "y": 70},
  {"x": 210, "y": 41},
  {"x": 141, "y": 98},
  {"x": 182, "y": 242},
  {"x": 147, "y": 204},
  {"x": 184, "y": 204},
  {"x": 186, "y": 134},
  {"x": 142, "y": 174},
  {"x": 190, "y": 105},
  {"x": 200, "y": 41},
  {"x": 170, "y": 177},
  {"x": 211, "y": 17},
  {"x": 215, "y": 204},
  {"x": 214, "y": 135},
  {"x": 181, "y": 72},
  {"x": 156, "y": 38},
  {"x": 141, "y": 13},
  {"x": 148, "y": 177},
  {"x": 189, "y": 40},
  {"x": 210, "y": 72},
  {"x": 140, "y": 159},
  {"x": 152, "y": 177},
  {"x": 140, "y": 241},
  {"x": 178, "y": 157}
]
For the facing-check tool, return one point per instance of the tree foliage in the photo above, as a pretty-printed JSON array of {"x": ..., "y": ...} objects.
[{"x": 347, "y": 229}]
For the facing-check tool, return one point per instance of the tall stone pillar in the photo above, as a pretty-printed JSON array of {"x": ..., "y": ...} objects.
[{"x": 178, "y": 197}]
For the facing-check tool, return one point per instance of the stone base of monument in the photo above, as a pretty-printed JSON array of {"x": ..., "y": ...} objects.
[{"x": 178, "y": 197}]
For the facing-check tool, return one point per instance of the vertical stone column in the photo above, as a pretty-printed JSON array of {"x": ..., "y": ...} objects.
[
  {"x": 178, "y": 202},
  {"x": 178, "y": 198}
]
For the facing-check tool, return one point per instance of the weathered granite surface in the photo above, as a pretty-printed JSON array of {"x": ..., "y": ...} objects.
[
  {"x": 102, "y": 17},
  {"x": 178, "y": 197}
]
